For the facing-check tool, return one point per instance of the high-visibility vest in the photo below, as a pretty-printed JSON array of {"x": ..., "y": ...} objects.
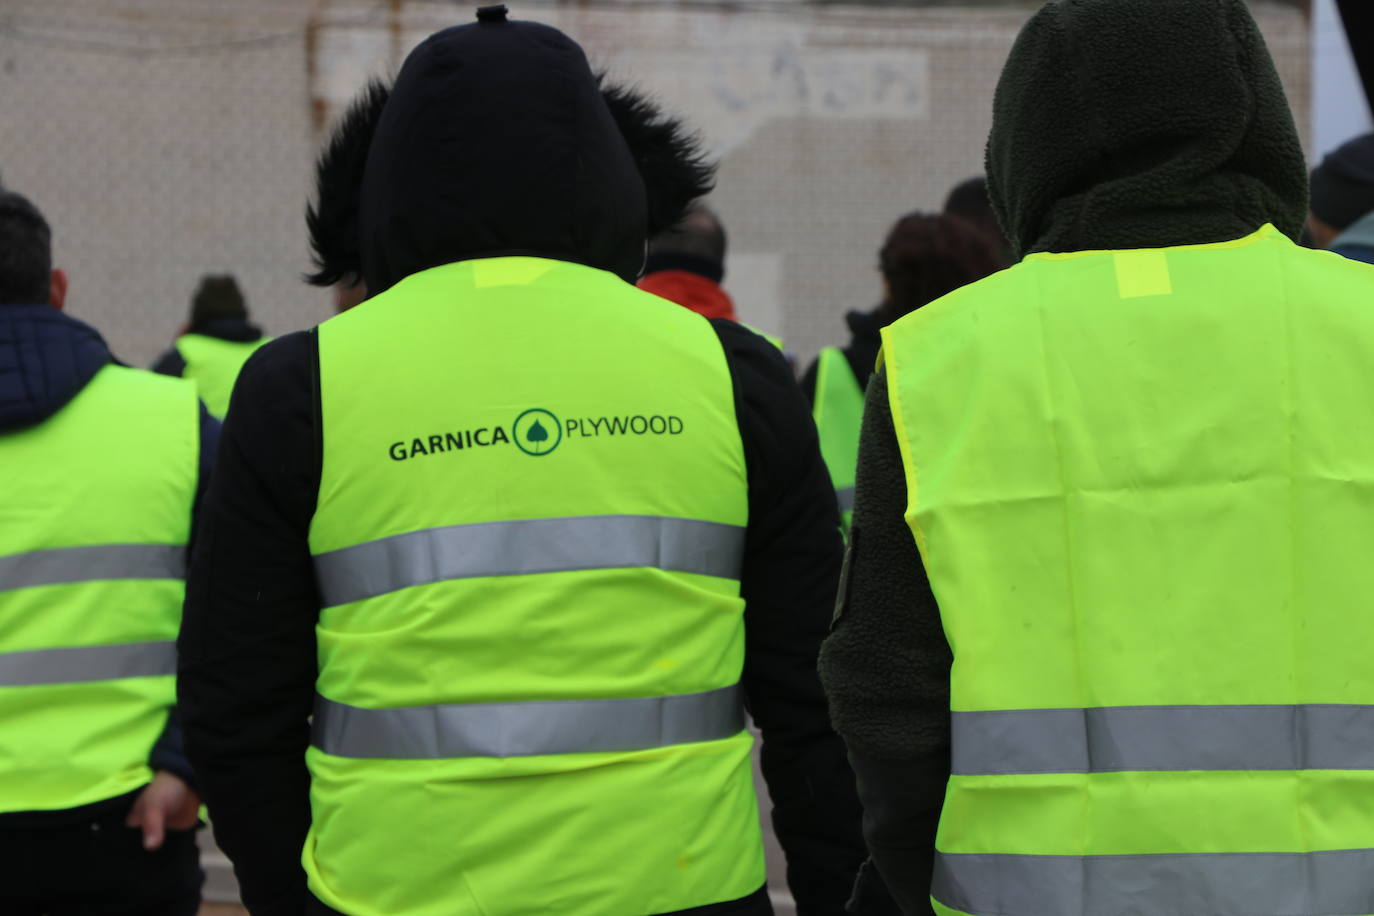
[
  {"x": 94, "y": 522},
  {"x": 214, "y": 365},
  {"x": 773, "y": 339},
  {"x": 528, "y": 543},
  {"x": 1142, "y": 485},
  {"x": 838, "y": 409}
]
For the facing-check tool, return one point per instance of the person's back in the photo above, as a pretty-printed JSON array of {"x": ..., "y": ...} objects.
[
  {"x": 1133, "y": 468},
  {"x": 522, "y": 489},
  {"x": 217, "y": 342},
  {"x": 623, "y": 700},
  {"x": 1176, "y": 495},
  {"x": 101, "y": 467}
]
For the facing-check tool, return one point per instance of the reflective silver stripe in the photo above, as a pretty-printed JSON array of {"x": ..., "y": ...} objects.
[
  {"x": 526, "y": 729},
  {"x": 1335, "y": 883},
  {"x": 845, "y": 495},
  {"x": 523, "y": 547},
  {"x": 87, "y": 663},
  {"x": 64, "y": 565},
  {"x": 1108, "y": 739}
]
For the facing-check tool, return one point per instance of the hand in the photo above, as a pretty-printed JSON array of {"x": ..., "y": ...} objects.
[{"x": 166, "y": 803}]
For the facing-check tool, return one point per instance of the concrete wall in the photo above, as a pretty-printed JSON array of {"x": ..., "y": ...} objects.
[{"x": 167, "y": 138}]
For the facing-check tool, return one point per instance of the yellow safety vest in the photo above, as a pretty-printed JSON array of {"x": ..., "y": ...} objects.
[
  {"x": 214, "y": 365},
  {"x": 528, "y": 542},
  {"x": 94, "y": 523},
  {"x": 1142, "y": 484},
  {"x": 838, "y": 408}
]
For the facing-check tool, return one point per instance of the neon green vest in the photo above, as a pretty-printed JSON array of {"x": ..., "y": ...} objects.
[
  {"x": 839, "y": 410},
  {"x": 214, "y": 365},
  {"x": 1142, "y": 484},
  {"x": 93, "y": 531},
  {"x": 771, "y": 338},
  {"x": 528, "y": 541}
]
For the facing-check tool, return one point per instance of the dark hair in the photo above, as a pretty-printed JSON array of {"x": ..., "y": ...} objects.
[
  {"x": 699, "y": 234},
  {"x": 25, "y": 252},
  {"x": 925, "y": 257},
  {"x": 217, "y": 296},
  {"x": 969, "y": 200}
]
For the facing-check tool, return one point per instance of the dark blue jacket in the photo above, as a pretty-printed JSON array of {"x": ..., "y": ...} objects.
[
  {"x": 1357, "y": 242},
  {"x": 46, "y": 358}
]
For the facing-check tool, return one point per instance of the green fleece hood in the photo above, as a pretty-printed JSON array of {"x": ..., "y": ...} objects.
[{"x": 1142, "y": 124}]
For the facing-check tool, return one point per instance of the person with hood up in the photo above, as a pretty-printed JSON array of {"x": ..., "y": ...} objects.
[
  {"x": 1106, "y": 618},
  {"x": 102, "y": 468},
  {"x": 1341, "y": 215},
  {"x": 216, "y": 343},
  {"x": 923, "y": 257},
  {"x": 467, "y": 622}
]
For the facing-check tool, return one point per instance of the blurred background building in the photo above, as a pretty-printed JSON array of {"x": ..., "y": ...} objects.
[{"x": 170, "y": 138}]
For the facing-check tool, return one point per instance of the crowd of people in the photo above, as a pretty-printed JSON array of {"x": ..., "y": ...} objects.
[{"x": 1046, "y": 591}]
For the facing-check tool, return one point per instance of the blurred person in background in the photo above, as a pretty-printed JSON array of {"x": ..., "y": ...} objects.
[
  {"x": 969, "y": 201},
  {"x": 686, "y": 264},
  {"x": 102, "y": 465},
  {"x": 502, "y": 728},
  {"x": 1341, "y": 211},
  {"x": 216, "y": 343},
  {"x": 1106, "y": 615},
  {"x": 923, "y": 258}
]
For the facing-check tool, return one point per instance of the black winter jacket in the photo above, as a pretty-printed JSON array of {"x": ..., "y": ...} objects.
[
  {"x": 1100, "y": 140},
  {"x": 46, "y": 358},
  {"x": 561, "y": 186}
]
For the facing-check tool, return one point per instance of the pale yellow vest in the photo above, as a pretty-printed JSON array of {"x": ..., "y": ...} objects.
[{"x": 1142, "y": 485}]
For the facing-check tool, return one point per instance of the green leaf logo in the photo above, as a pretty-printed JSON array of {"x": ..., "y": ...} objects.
[{"x": 538, "y": 431}]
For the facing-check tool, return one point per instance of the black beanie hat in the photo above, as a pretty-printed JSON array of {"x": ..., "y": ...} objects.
[
  {"x": 1343, "y": 185},
  {"x": 217, "y": 296}
]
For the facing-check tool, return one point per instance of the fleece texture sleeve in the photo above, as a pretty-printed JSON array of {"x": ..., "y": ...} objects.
[{"x": 886, "y": 669}]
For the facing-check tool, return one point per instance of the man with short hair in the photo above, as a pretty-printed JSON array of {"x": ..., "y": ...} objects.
[
  {"x": 687, "y": 262},
  {"x": 102, "y": 466},
  {"x": 1103, "y": 647}
]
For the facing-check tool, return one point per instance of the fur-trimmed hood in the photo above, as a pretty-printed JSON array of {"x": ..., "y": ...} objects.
[{"x": 498, "y": 139}]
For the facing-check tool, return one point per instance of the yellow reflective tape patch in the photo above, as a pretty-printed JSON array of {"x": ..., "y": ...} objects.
[
  {"x": 508, "y": 271},
  {"x": 1142, "y": 273}
]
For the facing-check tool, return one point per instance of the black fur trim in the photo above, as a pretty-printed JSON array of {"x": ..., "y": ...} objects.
[
  {"x": 332, "y": 219},
  {"x": 675, "y": 169}
]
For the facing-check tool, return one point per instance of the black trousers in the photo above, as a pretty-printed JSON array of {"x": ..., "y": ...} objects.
[
  {"x": 756, "y": 904},
  {"x": 97, "y": 867}
]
